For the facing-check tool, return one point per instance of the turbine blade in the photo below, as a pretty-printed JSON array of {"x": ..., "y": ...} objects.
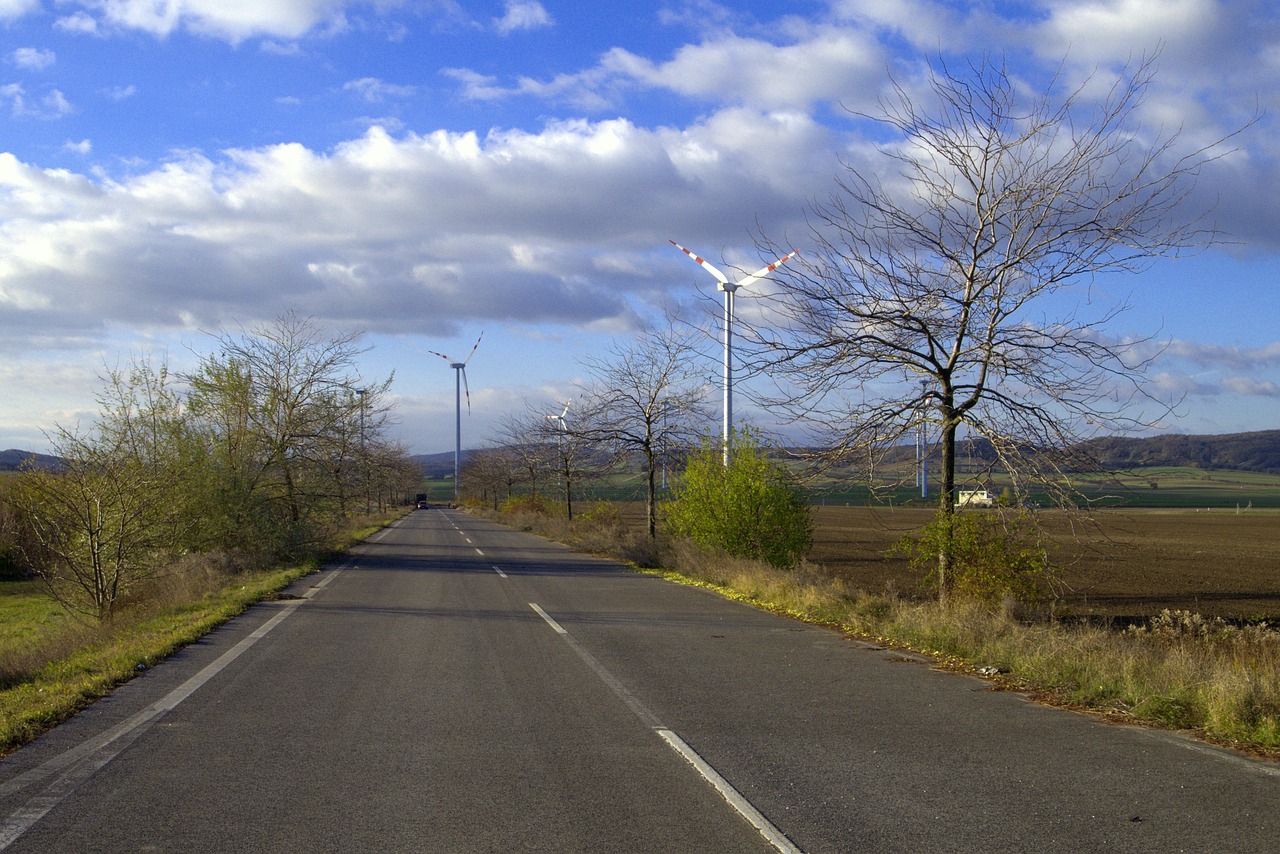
[
  {"x": 473, "y": 350},
  {"x": 758, "y": 274},
  {"x": 703, "y": 261},
  {"x": 466, "y": 387},
  {"x": 566, "y": 408},
  {"x": 441, "y": 355}
]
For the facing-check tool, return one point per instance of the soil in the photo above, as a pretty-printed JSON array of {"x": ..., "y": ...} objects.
[{"x": 1119, "y": 564}]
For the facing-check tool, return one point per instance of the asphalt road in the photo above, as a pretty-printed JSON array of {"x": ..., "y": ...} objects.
[{"x": 459, "y": 687}]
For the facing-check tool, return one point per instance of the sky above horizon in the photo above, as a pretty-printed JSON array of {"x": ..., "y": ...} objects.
[{"x": 425, "y": 171}]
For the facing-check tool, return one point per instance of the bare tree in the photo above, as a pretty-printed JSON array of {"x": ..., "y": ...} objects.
[
  {"x": 525, "y": 449},
  {"x": 290, "y": 422},
  {"x": 940, "y": 295},
  {"x": 647, "y": 398},
  {"x": 492, "y": 475}
]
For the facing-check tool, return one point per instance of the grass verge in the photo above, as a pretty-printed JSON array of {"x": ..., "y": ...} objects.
[
  {"x": 51, "y": 666},
  {"x": 1213, "y": 679}
]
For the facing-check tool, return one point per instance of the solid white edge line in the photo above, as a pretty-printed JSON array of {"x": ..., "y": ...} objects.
[
  {"x": 732, "y": 796},
  {"x": 729, "y": 793},
  {"x": 97, "y": 752}
]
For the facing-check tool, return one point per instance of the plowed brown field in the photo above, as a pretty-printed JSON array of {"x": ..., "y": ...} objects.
[{"x": 1116, "y": 563}]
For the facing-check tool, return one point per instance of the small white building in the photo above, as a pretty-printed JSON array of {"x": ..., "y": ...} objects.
[{"x": 975, "y": 498}]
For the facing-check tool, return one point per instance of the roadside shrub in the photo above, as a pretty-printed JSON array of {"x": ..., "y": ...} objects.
[
  {"x": 750, "y": 508},
  {"x": 525, "y": 504},
  {"x": 994, "y": 557}
]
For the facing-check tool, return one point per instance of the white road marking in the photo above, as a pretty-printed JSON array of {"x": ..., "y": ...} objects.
[
  {"x": 73, "y": 767},
  {"x": 732, "y": 796},
  {"x": 500, "y": 572},
  {"x": 559, "y": 629}
]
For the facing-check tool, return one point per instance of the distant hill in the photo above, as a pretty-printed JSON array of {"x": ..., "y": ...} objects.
[
  {"x": 1258, "y": 452},
  {"x": 12, "y": 460},
  {"x": 438, "y": 466}
]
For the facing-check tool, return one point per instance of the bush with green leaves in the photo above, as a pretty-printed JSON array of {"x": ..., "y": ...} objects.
[
  {"x": 750, "y": 508},
  {"x": 994, "y": 556}
]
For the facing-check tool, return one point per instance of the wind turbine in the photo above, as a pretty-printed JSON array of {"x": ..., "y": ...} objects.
[
  {"x": 460, "y": 383},
  {"x": 560, "y": 431},
  {"x": 729, "y": 288},
  {"x": 559, "y": 419}
]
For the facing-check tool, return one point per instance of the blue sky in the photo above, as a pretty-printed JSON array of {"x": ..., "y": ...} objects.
[{"x": 425, "y": 171}]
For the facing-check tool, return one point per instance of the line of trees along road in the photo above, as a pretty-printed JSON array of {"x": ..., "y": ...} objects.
[{"x": 260, "y": 450}]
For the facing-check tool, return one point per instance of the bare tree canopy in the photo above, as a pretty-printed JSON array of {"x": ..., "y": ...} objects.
[
  {"x": 941, "y": 291},
  {"x": 646, "y": 397},
  {"x": 954, "y": 271}
]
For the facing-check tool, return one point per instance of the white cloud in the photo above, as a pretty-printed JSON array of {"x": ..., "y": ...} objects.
[
  {"x": 1251, "y": 387},
  {"x": 80, "y": 23},
  {"x": 822, "y": 65},
  {"x": 522, "y": 15},
  {"x": 231, "y": 20},
  {"x": 827, "y": 65},
  {"x": 83, "y": 147},
  {"x": 13, "y": 9},
  {"x": 1103, "y": 31},
  {"x": 1226, "y": 356},
  {"x": 32, "y": 58},
  {"x": 53, "y": 105},
  {"x": 121, "y": 93},
  {"x": 408, "y": 234},
  {"x": 374, "y": 90}
]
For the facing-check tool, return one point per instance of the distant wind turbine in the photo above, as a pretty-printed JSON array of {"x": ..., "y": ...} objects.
[
  {"x": 559, "y": 419},
  {"x": 729, "y": 288},
  {"x": 460, "y": 383}
]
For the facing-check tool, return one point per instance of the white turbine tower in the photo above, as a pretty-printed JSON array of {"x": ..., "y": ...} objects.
[
  {"x": 460, "y": 383},
  {"x": 729, "y": 288},
  {"x": 560, "y": 428}
]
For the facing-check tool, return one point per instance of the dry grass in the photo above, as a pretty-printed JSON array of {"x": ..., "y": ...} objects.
[
  {"x": 52, "y": 664},
  {"x": 1180, "y": 670}
]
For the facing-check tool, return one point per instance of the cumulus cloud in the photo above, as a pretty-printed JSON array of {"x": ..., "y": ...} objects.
[
  {"x": 522, "y": 15},
  {"x": 822, "y": 65},
  {"x": 52, "y": 105},
  {"x": 1251, "y": 387},
  {"x": 12, "y": 9},
  {"x": 411, "y": 233},
  {"x": 80, "y": 23},
  {"x": 1102, "y": 31},
  {"x": 33, "y": 58},
  {"x": 374, "y": 90},
  {"x": 1226, "y": 356},
  {"x": 234, "y": 22}
]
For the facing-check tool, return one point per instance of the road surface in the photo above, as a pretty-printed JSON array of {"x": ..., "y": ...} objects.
[{"x": 459, "y": 687}]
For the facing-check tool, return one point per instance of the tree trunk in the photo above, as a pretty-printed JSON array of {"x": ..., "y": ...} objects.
[{"x": 946, "y": 500}]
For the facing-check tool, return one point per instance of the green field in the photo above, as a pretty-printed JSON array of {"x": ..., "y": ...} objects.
[{"x": 1160, "y": 486}]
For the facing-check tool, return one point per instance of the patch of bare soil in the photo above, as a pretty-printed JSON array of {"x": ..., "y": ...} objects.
[{"x": 1116, "y": 563}]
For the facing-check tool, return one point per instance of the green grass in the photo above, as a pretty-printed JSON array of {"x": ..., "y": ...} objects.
[
  {"x": 52, "y": 665},
  {"x": 102, "y": 658}
]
